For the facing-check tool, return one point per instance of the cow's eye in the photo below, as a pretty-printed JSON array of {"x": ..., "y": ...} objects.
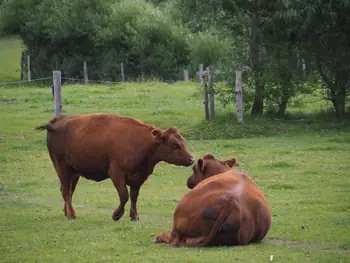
[{"x": 176, "y": 146}]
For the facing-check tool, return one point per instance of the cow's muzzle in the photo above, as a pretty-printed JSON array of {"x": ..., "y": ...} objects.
[{"x": 190, "y": 183}]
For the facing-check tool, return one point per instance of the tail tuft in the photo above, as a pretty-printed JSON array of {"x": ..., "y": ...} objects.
[{"x": 47, "y": 126}]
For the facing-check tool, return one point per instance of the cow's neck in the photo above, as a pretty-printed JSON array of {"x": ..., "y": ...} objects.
[
  {"x": 148, "y": 163},
  {"x": 151, "y": 161}
]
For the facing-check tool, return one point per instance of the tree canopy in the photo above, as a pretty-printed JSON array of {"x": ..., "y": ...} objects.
[{"x": 288, "y": 45}]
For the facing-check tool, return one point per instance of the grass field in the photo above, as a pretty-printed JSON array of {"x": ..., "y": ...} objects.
[
  {"x": 10, "y": 57},
  {"x": 302, "y": 169}
]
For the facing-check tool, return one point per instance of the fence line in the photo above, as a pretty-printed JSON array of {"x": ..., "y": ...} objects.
[
  {"x": 207, "y": 83},
  {"x": 56, "y": 77},
  {"x": 86, "y": 76},
  {"x": 29, "y": 73},
  {"x": 23, "y": 81},
  {"x": 239, "y": 94},
  {"x": 91, "y": 80}
]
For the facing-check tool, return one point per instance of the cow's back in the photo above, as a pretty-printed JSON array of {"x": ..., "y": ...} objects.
[
  {"x": 212, "y": 193},
  {"x": 89, "y": 142},
  {"x": 196, "y": 212}
]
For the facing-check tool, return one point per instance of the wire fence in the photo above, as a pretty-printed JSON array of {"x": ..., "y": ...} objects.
[
  {"x": 56, "y": 81},
  {"x": 124, "y": 76},
  {"x": 23, "y": 81},
  {"x": 90, "y": 81},
  {"x": 66, "y": 80}
]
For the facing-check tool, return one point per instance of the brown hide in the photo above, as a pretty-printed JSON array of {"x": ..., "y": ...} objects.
[
  {"x": 225, "y": 207},
  {"x": 101, "y": 146}
]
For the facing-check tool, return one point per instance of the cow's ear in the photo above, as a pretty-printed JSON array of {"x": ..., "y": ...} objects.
[
  {"x": 200, "y": 164},
  {"x": 209, "y": 156},
  {"x": 172, "y": 130},
  {"x": 231, "y": 162},
  {"x": 158, "y": 135}
]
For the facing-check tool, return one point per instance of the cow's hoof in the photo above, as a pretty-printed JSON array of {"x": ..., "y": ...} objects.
[
  {"x": 71, "y": 217},
  {"x": 117, "y": 216},
  {"x": 156, "y": 240},
  {"x": 135, "y": 219}
]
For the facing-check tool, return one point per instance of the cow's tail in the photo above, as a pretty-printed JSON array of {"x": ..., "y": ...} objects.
[
  {"x": 48, "y": 126},
  {"x": 220, "y": 220}
]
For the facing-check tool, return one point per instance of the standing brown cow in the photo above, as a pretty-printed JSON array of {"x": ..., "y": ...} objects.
[
  {"x": 101, "y": 146},
  {"x": 225, "y": 209}
]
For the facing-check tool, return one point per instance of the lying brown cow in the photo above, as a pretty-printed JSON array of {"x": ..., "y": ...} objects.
[
  {"x": 101, "y": 146},
  {"x": 225, "y": 209}
]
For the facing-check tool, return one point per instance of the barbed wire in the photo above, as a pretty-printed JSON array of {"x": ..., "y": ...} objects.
[
  {"x": 68, "y": 79},
  {"x": 91, "y": 80},
  {"x": 23, "y": 81}
]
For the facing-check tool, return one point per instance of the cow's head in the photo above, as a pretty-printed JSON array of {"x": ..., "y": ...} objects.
[
  {"x": 172, "y": 147},
  {"x": 208, "y": 166}
]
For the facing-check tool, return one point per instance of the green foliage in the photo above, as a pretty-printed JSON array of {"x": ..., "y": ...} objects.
[
  {"x": 208, "y": 48},
  {"x": 283, "y": 43},
  {"x": 276, "y": 39},
  {"x": 104, "y": 33},
  {"x": 10, "y": 54}
]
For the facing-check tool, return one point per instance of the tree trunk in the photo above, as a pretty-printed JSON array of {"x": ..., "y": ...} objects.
[
  {"x": 282, "y": 107},
  {"x": 339, "y": 104},
  {"x": 258, "y": 105},
  {"x": 337, "y": 88},
  {"x": 286, "y": 91}
]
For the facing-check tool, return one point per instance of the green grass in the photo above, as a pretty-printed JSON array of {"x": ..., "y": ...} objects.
[
  {"x": 10, "y": 58},
  {"x": 302, "y": 169}
]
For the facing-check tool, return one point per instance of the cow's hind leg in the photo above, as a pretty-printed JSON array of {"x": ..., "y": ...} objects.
[
  {"x": 134, "y": 193},
  {"x": 74, "y": 182},
  {"x": 194, "y": 241},
  {"x": 118, "y": 179},
  {"x": 65, "y": 174}
]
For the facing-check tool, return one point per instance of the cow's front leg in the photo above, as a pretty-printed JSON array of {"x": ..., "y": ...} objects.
[
  {"x": 134, "y": 193},
  {"x": 118, "y": 179}
]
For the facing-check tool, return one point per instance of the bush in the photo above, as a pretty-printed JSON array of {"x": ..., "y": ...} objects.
[
  {"x": 208, "y": 48},
  {"x": 104, "y": 33}
]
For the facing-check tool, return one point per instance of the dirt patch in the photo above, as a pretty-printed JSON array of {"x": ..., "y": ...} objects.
[
  {"x": 11, "y": 196},
  {"x": 14, "y": 101},
  {"x": 305, "y": 246}
]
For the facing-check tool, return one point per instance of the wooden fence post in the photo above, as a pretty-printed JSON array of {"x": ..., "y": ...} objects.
[
  {"x": 22, "y": 64},
  {"x": 122, "y": 71},
  {"x": 211, "y": 91},
  {"x": 239, "y": 104},
  {"x": 186, "y": 75},
  {"x": 206, "y": 101},
  {"x": 86, "y": 78},
  {"x": 56, "y": 76},
  {"x": 29, "y": 74},
  {"x": 200, "y": 73}
]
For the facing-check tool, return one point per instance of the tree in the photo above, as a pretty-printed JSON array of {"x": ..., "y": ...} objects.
[
  {"x": 280, "y": 37},
  {"x": 103, "y": 32},
  {"x": 328, "y": 37},
  {"x": 320, "y": 29}
]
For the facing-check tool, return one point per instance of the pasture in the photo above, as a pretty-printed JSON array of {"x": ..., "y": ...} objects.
[
  {"x": 10, "y": 54},
  {"x": 302, "y": 169}
]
